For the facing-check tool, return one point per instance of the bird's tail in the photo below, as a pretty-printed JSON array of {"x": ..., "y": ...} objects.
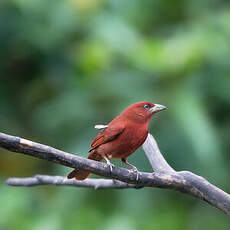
[{"x": 81, "y": 174}]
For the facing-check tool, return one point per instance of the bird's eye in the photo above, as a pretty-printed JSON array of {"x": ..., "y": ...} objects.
[{"x": 147, "y": 106}]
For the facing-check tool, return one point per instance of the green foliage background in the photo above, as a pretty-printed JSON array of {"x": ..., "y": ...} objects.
[{"x": 68, "y": 65}]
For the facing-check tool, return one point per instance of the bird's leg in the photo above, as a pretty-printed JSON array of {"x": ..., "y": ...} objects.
[
  {"x": 134, "y": 169},
  {"x": 124, "y": 160},
  {"x": 109, "y": 163}
]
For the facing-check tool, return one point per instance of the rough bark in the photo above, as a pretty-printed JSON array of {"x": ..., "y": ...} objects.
[{"x": 163, "y": 177}]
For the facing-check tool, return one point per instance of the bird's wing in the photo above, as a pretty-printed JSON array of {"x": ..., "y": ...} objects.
[{"x": 107, "y": 135}]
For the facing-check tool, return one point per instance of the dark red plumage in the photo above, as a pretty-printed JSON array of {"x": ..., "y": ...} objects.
[{"x": 122, "y": 136}]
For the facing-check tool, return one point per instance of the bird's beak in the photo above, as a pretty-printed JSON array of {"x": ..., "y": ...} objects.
[{"x": 156, "y": 108}]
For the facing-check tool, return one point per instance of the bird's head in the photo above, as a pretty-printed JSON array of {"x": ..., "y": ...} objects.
[{"x": 142, "y": 111}]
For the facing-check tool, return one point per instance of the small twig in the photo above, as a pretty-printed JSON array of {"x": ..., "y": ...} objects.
[
  {"x": 164, "y": 177},
  {"x": 63, "y": 181}
]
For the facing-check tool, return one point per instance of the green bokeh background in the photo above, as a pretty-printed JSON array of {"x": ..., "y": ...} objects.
[{"x": 68, "y": 65}]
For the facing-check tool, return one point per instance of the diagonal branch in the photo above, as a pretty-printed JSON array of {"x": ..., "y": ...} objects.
[
  {"x": 164, "y": 177},
  {"x": 156, "y": 159}
]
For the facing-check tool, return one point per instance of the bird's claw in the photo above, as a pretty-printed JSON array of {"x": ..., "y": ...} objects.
[
  {"x": 109, "y": 164},
  {"x": 134, "y": 169}
]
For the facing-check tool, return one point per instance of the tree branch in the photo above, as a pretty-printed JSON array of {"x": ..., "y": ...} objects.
[
  {"x": 63, "y": 181},
  {"x": 156, "y": 159},
  {"x": 163, "y": 177}
]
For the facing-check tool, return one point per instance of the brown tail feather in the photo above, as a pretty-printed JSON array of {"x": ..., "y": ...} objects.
[{"x": 80, "y": 174}]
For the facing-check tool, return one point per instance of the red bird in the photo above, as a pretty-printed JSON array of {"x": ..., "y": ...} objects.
[{"x": 121, "y": 137}]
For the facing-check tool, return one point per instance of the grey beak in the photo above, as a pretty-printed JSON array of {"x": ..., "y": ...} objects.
[{"x": 156, "y": 108}]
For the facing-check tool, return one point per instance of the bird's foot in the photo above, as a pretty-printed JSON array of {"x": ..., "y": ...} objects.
[
  {"x": 110, "y": 164},
  {"x": 134, "y": 169}
]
